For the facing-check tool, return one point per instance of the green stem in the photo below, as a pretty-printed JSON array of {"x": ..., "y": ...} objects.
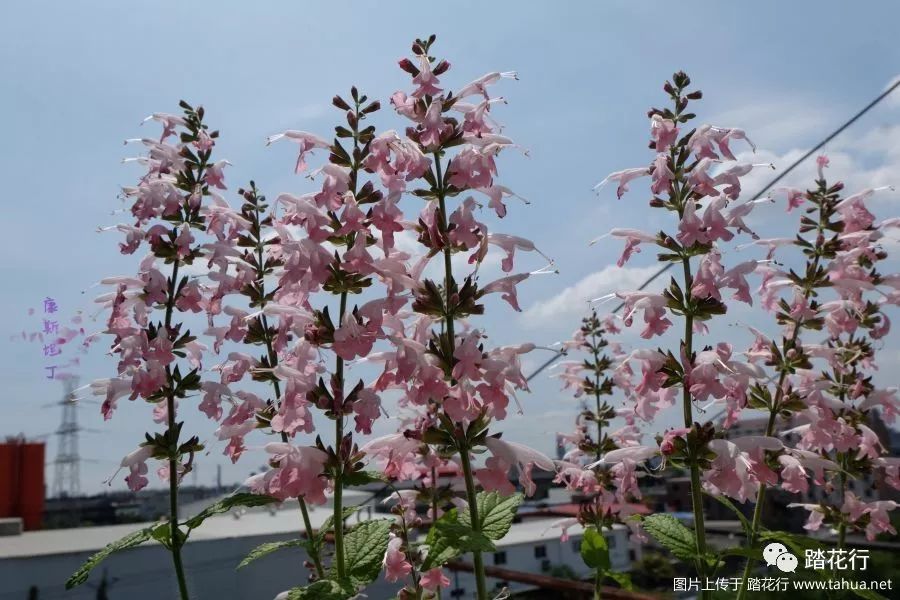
[
  {"x": 339, "y": 390},
  {"x": 696, "y": 489},
  {"x": 596, "y": 354},
  {"x": 597, "y": 579},
  {"x": 756, "y": 523},
  {"x": 842, "y": 526},
  {"x": 338, "y": 477},
  {"x": 434, "y": 510},
  {"x": 462, "y": 442},
  {"x": 273, "y": 362},
  {"x": 481, "y": 584},
  {"x": 175, "y": 539},
  {"x": 416, "y": 577}
]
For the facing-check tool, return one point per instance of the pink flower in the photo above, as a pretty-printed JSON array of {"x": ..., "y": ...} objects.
[
  {"x": 509, "y": 244},
  {"x": 494, "y": 477},
  {"x": 821, "y": 162},
  {"x": 633, "y": 239},
  {"x": 714, "y": 224},
  {"x": 706, "y": 281},
  {"x": 306, "y": 141},
  {"x": 426, "y": 80},
  {"x": 525, "y": 458},
  {"x": 624, "y": 178},
  {"x": 215, "y": 174},
  {"x": 352, "y": 338},
  {"x": 633, "y": 454},
  {"x": 667, "y": 446},
  {"x": 793, "y": 475},
  {"x": 469, "y": 357},
  {"x": 433, "y": 126},
  {"x": 690, "y": 228},
  {"x": 662, "y": 175},
  {"x": 433, "y": 579},
  {"x": 701, "y": 143},
  {"x": 396, "y": 566},
  {"x": 472, "y": 169},
  {"x": 479, "y": 86},
  {"x": 396, "y": 452},
  {"x": 869, "y": 444},
  {"x": 299, "y": 473},
  {"x": 654, "y": 307},
  {"x": 816, "y": 516},
  {"x": 506, "y": 286},
  {"x": 496, "y": 193},
  {"x": 664, "y": 133},
  {"x": 367, "y": 408},
  {"x": 136, "y": 463}
]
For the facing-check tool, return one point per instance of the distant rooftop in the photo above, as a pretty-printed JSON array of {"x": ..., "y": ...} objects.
[{"x": 249, "y": 523}]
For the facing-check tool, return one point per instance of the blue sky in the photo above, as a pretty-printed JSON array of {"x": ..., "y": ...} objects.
[{"x": 80, "y": 77}]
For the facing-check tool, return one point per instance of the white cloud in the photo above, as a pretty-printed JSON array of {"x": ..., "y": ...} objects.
[
  {"x": 571, "y": 302},
  {"x": 777, "y": 122}
]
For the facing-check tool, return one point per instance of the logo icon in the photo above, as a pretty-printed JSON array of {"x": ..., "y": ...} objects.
[{"x": 777, "y": 554}]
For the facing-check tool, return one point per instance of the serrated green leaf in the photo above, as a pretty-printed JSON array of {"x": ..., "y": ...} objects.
[
  {"x": 671, "y": 534},
  {"x": 623, "y": 579},
  {"x": 450, "y": 537},
  {"x": 129, "y": 541},
  {"x": 324, "y": 589},
  {"x": 226, "y": 504},
  {"x": 595, "y": 550},
  {"x": 364, "y": 548},
  {"x": 269, "y": 548},
  {"x": 328, "y": 523},
  {"x": 496, "y": 513}
]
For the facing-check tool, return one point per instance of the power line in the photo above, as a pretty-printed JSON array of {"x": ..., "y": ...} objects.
[{"x": 758, "y": 195}]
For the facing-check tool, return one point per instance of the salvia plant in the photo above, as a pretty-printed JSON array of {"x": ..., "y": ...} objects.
[
  {"x": 839, "y": 240},
  {"x": 794, "y": 298},
  {"x": 823, "y": 390},
  {"x": 695, "y": 179},
  {"x": 159, "y": 358},
  {"x": 440, "y": 364},
  {"x": 589, "y": 374},
  {"x": 323, "y": 303}
]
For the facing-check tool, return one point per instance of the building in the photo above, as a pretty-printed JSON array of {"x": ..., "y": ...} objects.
[
  {"x": 22, "y": 481},
  {"x": 45, "y": 559}
]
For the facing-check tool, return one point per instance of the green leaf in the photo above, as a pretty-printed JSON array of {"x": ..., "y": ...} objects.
[
  {"x": 748, "y": 527},
  {"x": 671, "y": 534},
  {"x": 129, "y": 541},
  {"x": 754, "y": 553},
  {"x": 495, "y": 512},
  {"x": 363, "y": 478},
  {"x": 451, "y": 536},
  {"x": 269, "y": 548},
  {"x": 226, "y": 504},
  {"x": 623, "y": 579},
  {"x": 595, "y": 550},
  {"x": 869, "y": 594},
  {"x": 328, "y": 523},
  {"x": 798, "y": 544},
  {"x": 324, "y": 589},
  {"x": 364, "y": 548}
]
